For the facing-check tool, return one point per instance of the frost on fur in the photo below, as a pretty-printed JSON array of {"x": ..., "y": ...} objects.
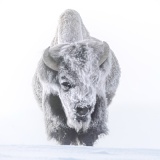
[{"x": 74, "y": 83}]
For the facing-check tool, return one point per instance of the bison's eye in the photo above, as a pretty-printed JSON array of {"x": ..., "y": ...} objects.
[{"x": 66, "y": 86}]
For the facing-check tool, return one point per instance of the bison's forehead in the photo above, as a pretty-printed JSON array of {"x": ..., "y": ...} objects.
[
  {"x": 79, "y": 64},
  {"x": 78, "y": 55}
]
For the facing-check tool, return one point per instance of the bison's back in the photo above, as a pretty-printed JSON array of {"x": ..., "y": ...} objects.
[{"x": 70, "y": 28}]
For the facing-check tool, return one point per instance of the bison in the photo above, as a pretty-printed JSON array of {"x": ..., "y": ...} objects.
[{"x": 75, "y": 82}]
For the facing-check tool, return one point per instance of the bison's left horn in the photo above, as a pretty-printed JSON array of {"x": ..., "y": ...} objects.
[
  {"x": 51, "y": 56},
  {"x": 105, "y": 53}
]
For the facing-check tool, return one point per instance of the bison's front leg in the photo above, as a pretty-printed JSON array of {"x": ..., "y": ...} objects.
[
  {"x": 88, "y": 138},
  {"x": 66, "y": 136}
]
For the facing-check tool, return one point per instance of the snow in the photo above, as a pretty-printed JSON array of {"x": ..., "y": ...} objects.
[{"x": 48, "y": 152}]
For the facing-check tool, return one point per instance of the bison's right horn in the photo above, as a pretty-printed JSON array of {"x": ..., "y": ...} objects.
[
  {"x": 51, "y": 56},
  {"x": 105, "y": 53}
]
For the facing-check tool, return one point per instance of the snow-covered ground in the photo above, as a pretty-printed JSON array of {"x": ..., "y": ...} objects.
[{"x": 28, "y": 152}]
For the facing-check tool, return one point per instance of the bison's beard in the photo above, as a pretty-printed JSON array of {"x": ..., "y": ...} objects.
[
  {"x": 79, "y": 125},
  {"x": 66, "y": 117},
  {"x": 96, "y": 117},
  {"x": 76, "y": 122},
  {"x": 61, "y": 124}
]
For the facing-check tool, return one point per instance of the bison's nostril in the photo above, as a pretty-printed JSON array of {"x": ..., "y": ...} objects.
[{"x": 82, "y": 111}]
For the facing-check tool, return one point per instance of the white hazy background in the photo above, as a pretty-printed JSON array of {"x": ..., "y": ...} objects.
[{"x": 131, "y": 28}]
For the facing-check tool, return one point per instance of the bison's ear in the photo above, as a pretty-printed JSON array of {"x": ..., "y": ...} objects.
[{"x": 51, "y": 56}]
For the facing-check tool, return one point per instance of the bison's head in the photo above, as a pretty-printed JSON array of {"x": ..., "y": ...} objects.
[{"x": 78, "y": 78}]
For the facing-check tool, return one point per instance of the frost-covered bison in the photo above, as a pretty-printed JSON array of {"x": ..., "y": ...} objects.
[{"x": 75, "y": 81}]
